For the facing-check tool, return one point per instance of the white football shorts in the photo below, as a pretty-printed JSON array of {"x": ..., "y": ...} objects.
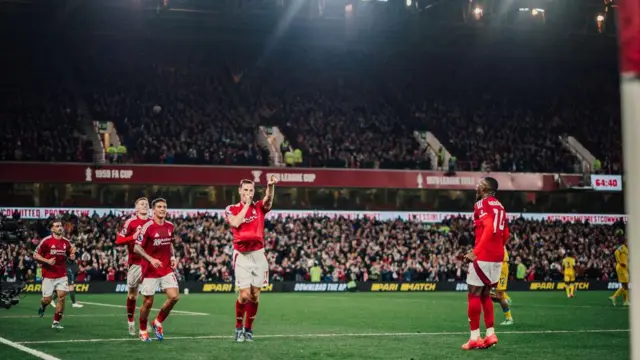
[
  {"x": 251, "y": 269},
  {"x": 484, "y": 273},
  {"x": 51, "y": 285},
  {"x": 134, "y": 276},
  {"x": 149, "y": 285}
]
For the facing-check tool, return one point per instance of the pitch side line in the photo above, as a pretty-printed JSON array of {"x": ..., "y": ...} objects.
[
  {"x": 78, "y": 315},
  {"x": 430, "y": 301},
  {"x": 36, "y": 353},
  {"x": 123, "y": 307},
  {"x": 330, "y": 335}
]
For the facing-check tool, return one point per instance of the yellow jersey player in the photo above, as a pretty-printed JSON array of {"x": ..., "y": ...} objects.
[
  {"x": 501, "y": 291},
  {"x": 622, "y": 269},
  {"x": 569, "y": 268}
]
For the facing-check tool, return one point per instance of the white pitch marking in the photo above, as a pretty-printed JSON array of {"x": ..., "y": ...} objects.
[
  {"x": 445, "y": 333},
  {"x": 36, "y": 353},
  {"x": 123, "y": 306},
  {"x": 77, "y": 315}
]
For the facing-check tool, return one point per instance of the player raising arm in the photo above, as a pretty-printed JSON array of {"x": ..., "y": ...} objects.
[
  {"x": 155, "y": 246},
  {"x": 250, "y": 263},
  {"x": 52, "y": 253},
  {"x": 490, "y": 221},
  {"x": 128, "y": 236}
]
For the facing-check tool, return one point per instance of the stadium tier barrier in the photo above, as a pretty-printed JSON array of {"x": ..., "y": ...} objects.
[
  {"x": 197, "y": 287},
  {"x": 423, "y": 217}
]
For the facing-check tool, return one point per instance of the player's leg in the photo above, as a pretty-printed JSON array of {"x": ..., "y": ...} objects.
[
  {"x": 169, "y": 284},
  {"x": 260, "y": 278},
  {"x": 47, "y": 295},
  {"x": 567, "y": 285},
  {"x": 61, "y": 287},
  {"x": 134, "y": 277},
  {"x": 621, "y": 290},
  {"x": 474, "y": 307},
  {"x": 625, "y": 292},
  {"x": 252, "y": 311},
  {"x": 243, "y": 283},
  {"x": 504, "y": 304},
  {"x": 148, "y": 290},
  {"x": 489, "y": 273}
]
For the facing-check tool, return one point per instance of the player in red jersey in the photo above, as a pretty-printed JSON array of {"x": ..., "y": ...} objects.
[
  {"x": 155, "y": 246},
  {"x": 52, "y": 253},
  {"x": 492, "y": 233},
  {"x": 250, "y": 263},
  {"x": 128, "y": 235}
]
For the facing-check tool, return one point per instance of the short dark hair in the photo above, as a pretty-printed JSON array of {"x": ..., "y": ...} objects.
[
  {"x": 54, "y": 221},
  {"x": 492, "y": 184},
  {"x": 246, "y": 181},
  {"x": 140, "y": 199},
  {"x": 155, "y": 201}
]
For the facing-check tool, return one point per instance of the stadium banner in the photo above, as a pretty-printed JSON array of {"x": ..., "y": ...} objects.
[
  {"x": 606, "y": 182},
  {"x": 108, "y": 287},
  {"x": 414, "y": 216},
  {"x": 11, "y": 172}
]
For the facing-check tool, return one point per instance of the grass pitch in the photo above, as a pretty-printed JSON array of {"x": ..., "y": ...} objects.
[{"x": 325, "y": 326}]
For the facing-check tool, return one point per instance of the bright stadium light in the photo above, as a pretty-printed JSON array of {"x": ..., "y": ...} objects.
[
  {"x": 408, "y": 2},
  {"x": 477, "y": 11},
  {"x": 600, "y": 18}
]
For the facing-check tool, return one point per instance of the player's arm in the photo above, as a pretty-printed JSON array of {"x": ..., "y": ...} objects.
[
  {"x": 139, "y": 249},
  {"x": 174, "y": 261},
  {"x": 38, "y": 257},
  {"x": 623, "y": 259},
  {"x": 487, "y": 232},
  {"x": 122, "y": 237},
  {"x": 267, "y": 202},
  {"x": 236, "y": 220}
]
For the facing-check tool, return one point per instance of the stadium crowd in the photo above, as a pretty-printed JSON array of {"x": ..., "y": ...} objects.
[
  {"x": 341, "y": 108},
  {"x": 345, "y": 249}
]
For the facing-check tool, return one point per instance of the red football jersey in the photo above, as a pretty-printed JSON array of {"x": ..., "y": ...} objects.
[
  {"x": 249, "y": 236},
  {"x": 156, "y": 240},
  {"x": 125, "y": 236},
  {"x": 58, "y": 249},
  {"x": 492, "y": 231}
]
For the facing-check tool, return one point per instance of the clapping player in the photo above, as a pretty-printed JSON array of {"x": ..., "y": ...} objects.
[{"x": 249, "y": 259}]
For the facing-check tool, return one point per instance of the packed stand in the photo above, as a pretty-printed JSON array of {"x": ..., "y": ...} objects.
[
  {"x": 363, "y": 250},
  {"x": 511, "y": 115},
  {"x": 171, "y": 109},
  {"x": 38, "y": 117}
]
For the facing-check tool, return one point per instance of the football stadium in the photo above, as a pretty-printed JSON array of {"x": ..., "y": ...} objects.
[{"x": 318, "y": 179}]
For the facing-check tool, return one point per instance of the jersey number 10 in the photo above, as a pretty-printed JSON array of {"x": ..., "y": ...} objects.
[{"x": 498, "y": 220}]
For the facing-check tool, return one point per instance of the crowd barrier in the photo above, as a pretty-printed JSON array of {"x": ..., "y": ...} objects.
[{"x": 197, "y": 287}]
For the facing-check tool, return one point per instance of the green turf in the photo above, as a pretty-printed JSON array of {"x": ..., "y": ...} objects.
[{"x": 329, "y": 326}]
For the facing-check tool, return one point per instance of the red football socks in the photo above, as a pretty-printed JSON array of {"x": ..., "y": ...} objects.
[
  {"x": 252, "y": 310},
  {"x": 57, "y": 316},
  {"x": 162, "y": 314},
  {"x": 143, "y": 324},
  {"x": 131, "y": 309},
  {"x": 487, "y": 309},
  {"x": 473, "y": 311},
  {"x": 240, "y": 309}
]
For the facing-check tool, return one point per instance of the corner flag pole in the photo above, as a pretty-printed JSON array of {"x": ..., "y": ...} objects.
[{"x": 629, "y": 43}]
